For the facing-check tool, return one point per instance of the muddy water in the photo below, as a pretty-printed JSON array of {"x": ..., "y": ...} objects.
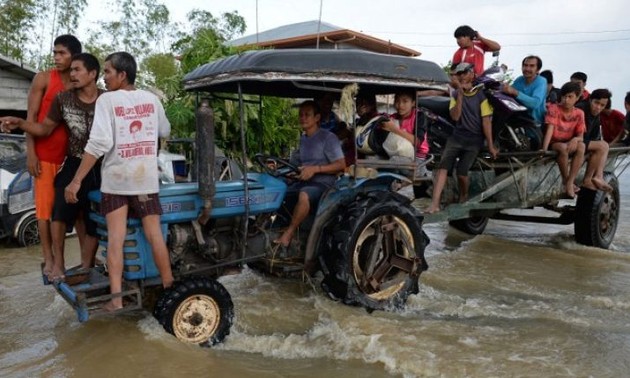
[{"x": 520, "y": 300}]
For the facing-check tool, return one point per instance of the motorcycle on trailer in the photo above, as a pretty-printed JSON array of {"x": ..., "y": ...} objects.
[{"x": 514, "y": 130}]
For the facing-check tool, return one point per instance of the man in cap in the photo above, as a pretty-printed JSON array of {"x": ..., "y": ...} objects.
[{"x": 472, "y": 112}]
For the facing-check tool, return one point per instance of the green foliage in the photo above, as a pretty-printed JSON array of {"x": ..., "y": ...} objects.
[
  {"x": 165, "y": 51},
  {"x": 281, "y": 132},
  {"x": 28, "y": 27},
  {"x": 162, "y": 71},
  {"x": 181, "y": 113},
  {"x": 141, "y": 28},
  {"x": 16, "y": 18},
  {"x": 206, "y": 43}
]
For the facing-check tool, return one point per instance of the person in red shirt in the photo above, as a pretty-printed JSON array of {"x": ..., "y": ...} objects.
[
  {"x": 472, "y": 47},
  {"x": 580, "y": 78},
  {"x": 45, "y": 155},
  {"x": 565, "y": 134},
  {"x": 612, "y": 122}
]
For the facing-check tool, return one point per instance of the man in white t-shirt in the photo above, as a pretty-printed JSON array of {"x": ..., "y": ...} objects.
[{"x": 127, "y": 124}]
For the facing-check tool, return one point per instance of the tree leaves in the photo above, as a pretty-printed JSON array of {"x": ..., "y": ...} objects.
[
  {"x": 164, "y": 50},
  {"x": 28, "y": 27}
]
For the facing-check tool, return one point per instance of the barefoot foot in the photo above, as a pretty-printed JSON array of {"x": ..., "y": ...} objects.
[
  {"x": 112, "y": 306},
  {"x": 432, "y": 210},
  {"x": 285, "y": 239},
  {"x": 571, "y": 189},
  {"x": 588, "y": 184},
  {"x": 602, "y": 185},
  {"x": 47, "y": 268},
  {"x": 56, "y": 274}
]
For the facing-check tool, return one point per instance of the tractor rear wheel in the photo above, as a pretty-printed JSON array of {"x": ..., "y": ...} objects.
[{"x": 376, "y": 254}]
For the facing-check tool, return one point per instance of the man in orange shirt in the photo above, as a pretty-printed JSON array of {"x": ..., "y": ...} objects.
[{"x": 45, "y": 155}]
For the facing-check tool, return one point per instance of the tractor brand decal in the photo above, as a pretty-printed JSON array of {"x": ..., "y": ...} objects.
[
  {"x": 175, "y": 207},
  {"x": 255, "y": 199}
]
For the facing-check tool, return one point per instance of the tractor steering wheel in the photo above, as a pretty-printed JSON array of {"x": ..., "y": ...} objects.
[{"x": 275, "y": 166}]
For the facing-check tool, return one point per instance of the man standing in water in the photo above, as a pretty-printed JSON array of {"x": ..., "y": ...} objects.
[
  {"x": 46, "y": 154},
  {"x": 130, "y": 183}
]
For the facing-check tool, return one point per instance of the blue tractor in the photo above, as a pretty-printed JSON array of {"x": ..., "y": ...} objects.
[{"x": 365, "y": 239}]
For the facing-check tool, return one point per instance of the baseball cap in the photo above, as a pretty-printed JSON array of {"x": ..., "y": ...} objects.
[{"x": 463, "y": 67}]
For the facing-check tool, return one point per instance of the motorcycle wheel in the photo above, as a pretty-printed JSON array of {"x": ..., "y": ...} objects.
[{"x": 28, "y": 232}]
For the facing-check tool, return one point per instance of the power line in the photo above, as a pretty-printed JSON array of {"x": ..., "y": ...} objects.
[
  {"x": 532, "y": 44},
  {"x": 524, "y": 33}
]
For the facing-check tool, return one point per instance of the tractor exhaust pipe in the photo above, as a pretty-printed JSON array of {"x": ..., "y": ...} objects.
[{"x": 205, "y": 158}]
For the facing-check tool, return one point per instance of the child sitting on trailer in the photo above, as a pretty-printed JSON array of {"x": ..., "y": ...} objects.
[{"x": 565, "y": 135}]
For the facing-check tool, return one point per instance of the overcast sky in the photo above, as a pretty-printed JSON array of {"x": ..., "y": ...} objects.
[{"x": 592, "y": 36}]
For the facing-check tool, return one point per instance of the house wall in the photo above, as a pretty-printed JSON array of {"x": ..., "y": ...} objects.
[{"x": 13, "y": 91}]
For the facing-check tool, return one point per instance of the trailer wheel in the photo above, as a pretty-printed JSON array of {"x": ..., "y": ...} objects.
[
  {"x": 472, "y": 226},
  {"x": 597, "y": 215},
  {"x": 196, "y": 310},
  {"x": 28, "y": 231},
  {"x": 376, "y": 254}
]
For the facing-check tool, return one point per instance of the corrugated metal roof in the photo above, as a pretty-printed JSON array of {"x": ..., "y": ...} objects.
[
  {"x": 285, "y": 32},
  {"x": 14, "y": 66},
  {"x": 305, "y": 35}
]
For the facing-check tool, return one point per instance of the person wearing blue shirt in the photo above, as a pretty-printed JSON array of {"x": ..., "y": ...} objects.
[
  {"x": 530, "y": 89},
  {"x": 319, "y": 159}
]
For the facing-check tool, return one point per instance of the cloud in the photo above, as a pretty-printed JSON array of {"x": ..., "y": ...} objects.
[{"x": 577, "y": 35}]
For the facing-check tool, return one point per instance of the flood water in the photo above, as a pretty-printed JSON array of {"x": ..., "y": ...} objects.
[{"x": 521, "y": 300}]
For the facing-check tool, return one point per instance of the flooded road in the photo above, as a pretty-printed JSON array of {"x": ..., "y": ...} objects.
[{"x": 521, "y": 300}]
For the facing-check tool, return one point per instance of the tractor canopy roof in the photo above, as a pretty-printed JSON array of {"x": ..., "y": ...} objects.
[{"x": 306, "y": 72}]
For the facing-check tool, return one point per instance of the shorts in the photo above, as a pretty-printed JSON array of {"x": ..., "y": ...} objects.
[
  {"x": 140, "y": 205},
  {"x": 45, "y": 190},
  {"x": 467, "y": 153},
  {"x": 314, "y": 190},
  {"x": 68, "y": 212}
]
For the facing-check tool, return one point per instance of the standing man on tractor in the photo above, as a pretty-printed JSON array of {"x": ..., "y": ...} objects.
[
  {"x": 73, "y": 110},
  {"x": 46, "y": 154},
  {"x": 127, "y": 124}
]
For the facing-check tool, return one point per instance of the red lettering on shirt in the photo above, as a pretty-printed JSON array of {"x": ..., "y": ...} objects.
[{"x": 135, "y": 112}]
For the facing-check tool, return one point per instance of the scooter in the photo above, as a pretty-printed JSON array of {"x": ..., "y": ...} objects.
[{"x": 513, "y": 128}]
